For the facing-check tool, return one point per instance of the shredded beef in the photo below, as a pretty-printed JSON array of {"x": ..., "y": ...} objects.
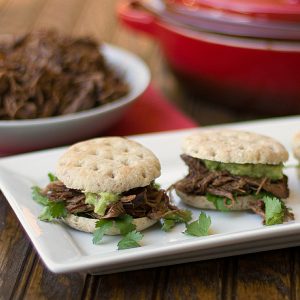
[
  {"x": 75, "y": 200},
  {"x": 201, "y": 181},
  {"x": 139, "y": 202},
  {"x": 115, "y": 210},
  {"x": 258, "y": 207},
  {"x": 45, "y": 74}
]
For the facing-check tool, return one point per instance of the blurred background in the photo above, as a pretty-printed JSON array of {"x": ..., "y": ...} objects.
[
  {"x": 217, "y": 61},
  {"x": 99, "y": 19}
]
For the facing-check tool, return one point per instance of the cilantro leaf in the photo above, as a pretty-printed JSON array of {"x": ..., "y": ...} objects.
[
  {"x": 173, "y": 217},
  {"x": 168, "y": 224},
  {"x": 124, "y": 224},
  {"x": 58, "y": 209},
  {"x": 130, "y": 240},
  {"x": 53, "y": 210},
  {"x": 38, "y": 197},
  {"x": 199, "y": 227},
  {"x": 274, "y": 210},
  {"x": 46, "y": 215},
  {"x": 101, "y": 227},
  {"x": 218, "y": 202},
  {"x": 52, "y": 177}
]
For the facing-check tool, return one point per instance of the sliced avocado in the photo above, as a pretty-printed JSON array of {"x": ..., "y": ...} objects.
[
  {"x": 100, "y": 201},
  {"x": 273, "y": 172}
]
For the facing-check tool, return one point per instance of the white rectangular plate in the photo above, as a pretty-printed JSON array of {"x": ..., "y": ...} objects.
[{"x": 64, "y": 249}]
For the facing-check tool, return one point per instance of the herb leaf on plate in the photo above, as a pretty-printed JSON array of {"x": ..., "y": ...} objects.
[
  {"x": 168, "y": 224},
  {"x": 130, "y": 240},
  {"x": 171, "y": 218},
  {"x": 101, "y": 226},
  {"x": 199, "y": 227},
  {"x": 38, "y": 197}
]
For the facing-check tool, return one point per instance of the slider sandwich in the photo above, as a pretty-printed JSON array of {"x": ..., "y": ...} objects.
[
  {"x": 107, "y": 179},
  {"x": 233, "y": 170}
]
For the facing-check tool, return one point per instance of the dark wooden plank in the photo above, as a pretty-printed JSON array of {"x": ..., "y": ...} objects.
[
  {"x": 197, "y": 280},
  {"x": 264, "y": 275},
  {"x": 128, "y": 285},
  {"x": 295, "y": 274},
  {"x": 24, "y": 275},
  {"x": 44, "y": 284},
  {"x": 228, "y": 277},
  {"x": 15, "y": 250}
]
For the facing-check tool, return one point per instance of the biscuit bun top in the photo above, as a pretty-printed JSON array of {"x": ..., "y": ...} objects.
[
  {"x": 109, "y": 164},
  {"x": 296, "y": 145},
  {"x": 233, "y": 146}
]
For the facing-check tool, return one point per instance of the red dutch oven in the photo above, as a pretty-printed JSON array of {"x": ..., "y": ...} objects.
[{"x": 246, "y": 67}]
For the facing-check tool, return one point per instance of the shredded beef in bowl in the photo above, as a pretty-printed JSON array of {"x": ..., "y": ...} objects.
[{"x": 44, "y": 74}]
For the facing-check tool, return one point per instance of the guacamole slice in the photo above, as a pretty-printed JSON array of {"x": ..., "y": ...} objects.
[
  {"x": 273, "y": 172},
  {"x": 100, "y": 201}
]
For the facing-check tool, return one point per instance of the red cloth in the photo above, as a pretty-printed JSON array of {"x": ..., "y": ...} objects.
[{"x": 151, "y": 113}]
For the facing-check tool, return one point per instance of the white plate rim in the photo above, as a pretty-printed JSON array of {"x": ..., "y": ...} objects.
[{"x": 149, "y": 254}]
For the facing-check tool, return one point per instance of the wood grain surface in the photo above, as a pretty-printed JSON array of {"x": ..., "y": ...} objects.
[{"x": 268, "y": 275}]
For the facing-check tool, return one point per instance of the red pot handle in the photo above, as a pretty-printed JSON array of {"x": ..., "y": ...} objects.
[{"x": 135, "y": 18}]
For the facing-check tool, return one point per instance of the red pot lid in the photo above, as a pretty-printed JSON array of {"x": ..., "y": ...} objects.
[{"x": 275, "y": 10}]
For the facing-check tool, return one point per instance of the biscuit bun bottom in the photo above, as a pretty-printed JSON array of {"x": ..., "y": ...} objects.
[
  {"x": 88, "y": 225},
  {"x": 242, "y": 202}
]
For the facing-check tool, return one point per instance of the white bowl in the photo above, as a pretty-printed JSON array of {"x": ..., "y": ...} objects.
[{"x": 24, "y": 135}]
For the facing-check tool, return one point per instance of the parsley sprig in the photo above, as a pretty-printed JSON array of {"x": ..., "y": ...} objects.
[
  {"x": 178, "y": 216},
  {"x": 130, "y": 240},
  {"x": 274, "y": 210},
  {"x": 52, "y": 210},
  {"x": 199, "y": 227},
  {"x": 131, "y": 237}
]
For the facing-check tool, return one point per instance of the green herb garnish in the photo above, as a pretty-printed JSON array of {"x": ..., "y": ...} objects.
[
  {"x": 199, "y": 227},
  {"x": 52, "y": 177},
  {"x": 124, "y": 224},
  {"x": 53, "y": 210},
  {"x": 218, "y": 202},
  {"x": 130, "y": 240},
  {"x": 101, "y": 227},
  {"x": 274, "y": 210},
  {"x": 38, "y": 197},
  {"x": 173, "y": 217}
]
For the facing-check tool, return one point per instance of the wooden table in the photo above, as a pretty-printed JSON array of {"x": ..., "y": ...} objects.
[{"x": 269, "y": 275}]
